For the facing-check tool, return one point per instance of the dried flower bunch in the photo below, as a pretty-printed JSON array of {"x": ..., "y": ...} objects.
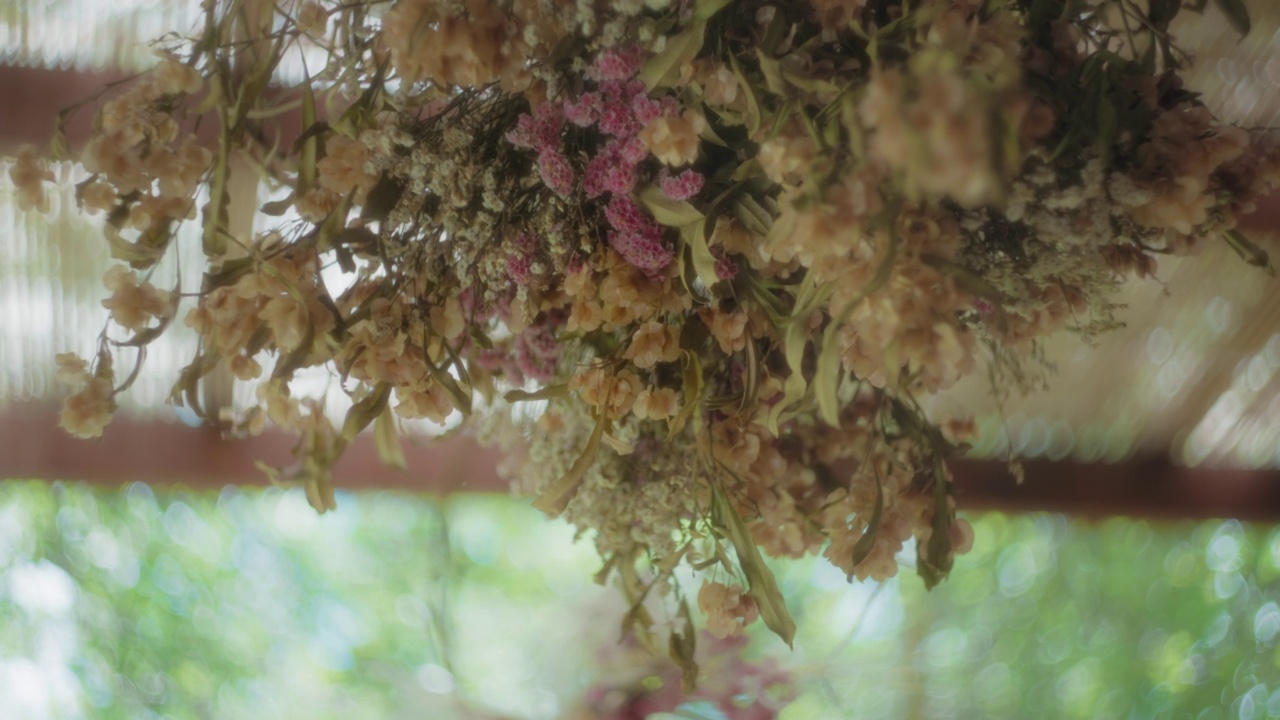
[{"x": 725, "y": 247}]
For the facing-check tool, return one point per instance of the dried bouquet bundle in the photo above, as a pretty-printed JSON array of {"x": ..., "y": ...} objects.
[{"x": 692, "y": 264}]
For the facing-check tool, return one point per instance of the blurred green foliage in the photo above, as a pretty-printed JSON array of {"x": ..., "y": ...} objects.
[{"x": 245, "y": 604}]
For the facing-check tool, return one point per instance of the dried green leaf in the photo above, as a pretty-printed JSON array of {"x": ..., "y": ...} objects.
[
  {"x": 772, "y": 71},
  {"x": 752, "y": 215},
  {"x": 365, "y": 412},
  {"x": 386, "y": 440},
  {"x": 827, "y": 379},
  {"x": 672, "y": 213},
  {"x": 461, "y": 398},
  {"x": 763, "y": 586},
  {"x": 1249, "y": 251},
  {"x": 637, "y": 618},
  {"x": 556, "y": 498},
  {"x": 319, "y": 491},
  {"x": 705, "y": 9},
  {"x": 704, "y": 263},
  {"x": 795, "y": 339},
  {"x": 934, "y": 566},
  {"x": 333, "y": 224},
  {"x": 1237, "y": 14},
  {"x": 276, "y": 208},
  {"x": 753, "y": 116},
  {"x": 682, "y": 646},
  {"x": 138, "y": 255},
  {"x": 663, "y": 69},
  {"x": 751, "y": 379},
  {"x": 186, "y": 390},
  {"x": 214, "y": 239},
  {"x": 693, "y": 389},
  {"x": 868, "y": 540},
  {"x": 310, "y": 140}
]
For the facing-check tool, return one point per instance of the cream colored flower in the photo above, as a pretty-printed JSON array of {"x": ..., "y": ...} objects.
[
  {"x": 341, "y": 170},
  {"x": 653, "y": 343},
  {"x": 313, "y": 20},
  {"x": 580, "y": 283},
  {"x": 584, "y": 316},
  {"x": 282, "y": 409},
  {"x": 315, "y": 204},
  {"x": 117, "y": 160},
  {"x": 787, "y": 157},
  {"x": 72, "y": 369},
  {"x": 173, "y": 76},
  {"x": 87, "y": 413},
  {"x": 447, "y": 319},
  {"x": 655, "y": 404},
  {"x": 288, "y": 320},
  {"x": 97, "y": 196},
  {"x": 29, "y": 174},
  {"x": 432, "y": 402},
  {"x": 728, "y": 328},
  {"x": 729, "y": 610},
  {"x": 719, "y": 84},
  {"x": 626, "y": 385},
  {"x": 133, "y": 304},
  {"x": 245, "y": 368},
  {"x": 604, "y": 390},
  {"x": 674, "y": 140}
]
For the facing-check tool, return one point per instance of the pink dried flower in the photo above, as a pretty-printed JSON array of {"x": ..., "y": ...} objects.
[
  {"x": 556, "y": 171},
  {"x": 609, "y": 172},
  {"x": 527, "y": 243},
  {"x": 585, "y": 112},
  {"x": 647, "y": 109},
  {"x": 593, "y": 177},
  {"x": 683, "y": 186},
  {"x": 626, "y": 216},
  {"x": 522, "y": 134},
  {"x": 726, "y": 268},
  {"x": 540, "y": 131},
  {"x": 633, "y": 150},
  {"x": 637, "y": 237},
  {"x": 617, "y": 119},
  {"x": 616, "y": 63},
  {"x": 646, "y": 253},
  {"x": 518, "y": 267},
  {"x": 537, "y": 352}
]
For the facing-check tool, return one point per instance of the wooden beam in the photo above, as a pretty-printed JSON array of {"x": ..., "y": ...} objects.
[
  {"x": 33, "y": 97},
  {"x": 170, "y": 454},
  {"x": 1149, "y": 488},
  {"x": 32, "y": 446}
]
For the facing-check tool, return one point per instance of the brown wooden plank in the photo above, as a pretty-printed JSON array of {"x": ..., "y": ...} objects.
[
  {"x": 167, "y": 454},
  {"x": 33, "y": 447},
  {"x": 33, "y": 97},
  {"x": 1151, "y": 488}
]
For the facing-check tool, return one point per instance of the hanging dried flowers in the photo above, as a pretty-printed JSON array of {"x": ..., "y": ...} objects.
[{"x": 730, "y": 243}]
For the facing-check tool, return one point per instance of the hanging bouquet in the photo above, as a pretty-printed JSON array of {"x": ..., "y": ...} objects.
[{"x": 692, "y": 264}]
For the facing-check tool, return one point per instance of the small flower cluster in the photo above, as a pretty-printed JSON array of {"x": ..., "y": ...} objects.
[{"x": 628, "y": 127}]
